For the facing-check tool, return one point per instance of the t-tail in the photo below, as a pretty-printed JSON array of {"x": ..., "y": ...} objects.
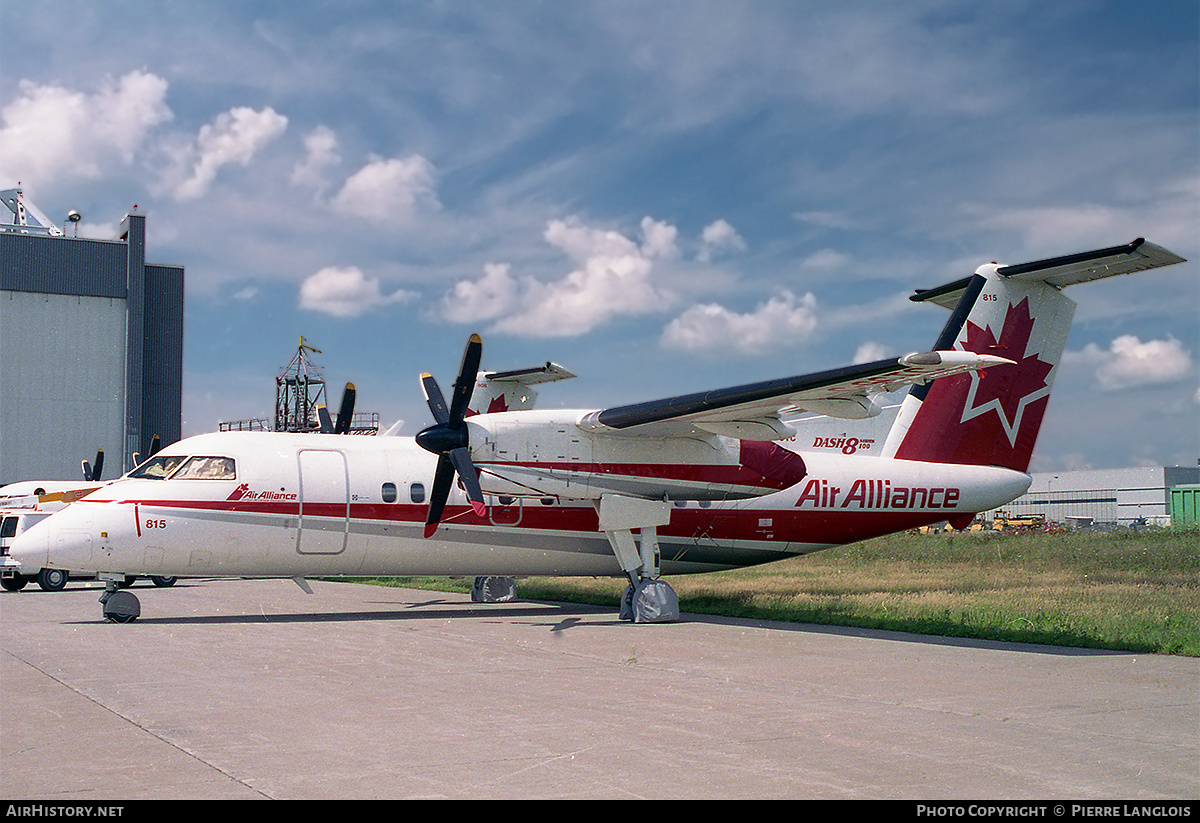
[{"x": 992, "y": 417}]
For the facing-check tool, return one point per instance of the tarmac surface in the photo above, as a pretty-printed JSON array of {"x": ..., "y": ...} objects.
[{"x": 235, "y": 689}]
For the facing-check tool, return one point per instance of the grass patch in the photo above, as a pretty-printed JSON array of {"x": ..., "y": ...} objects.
[{"x": 1120, "y": 590}]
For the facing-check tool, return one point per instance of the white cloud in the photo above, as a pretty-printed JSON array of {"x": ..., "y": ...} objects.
[
  {"x": 235, "y": 136},
  {"x": 49, "y": 132},
  {"x": 719, "y": 236},
  {"x": 386, "y": 190},
  {"x": 870, "y": 351},
  {"x": 484, "y": 299},
  {"x": 612, "y": 278},
  {"x": 1129, "y": 362},
  {"x": 320, "y": 146},
  {"x": 589, "y": 246},
  {"x": 345, "y": 292},
  {"x": 825, "y": 260},
  {"x": 783, "y": 320}
]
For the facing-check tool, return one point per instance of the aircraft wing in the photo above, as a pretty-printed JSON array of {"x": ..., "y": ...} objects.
[{"x": 755, "y": 411}]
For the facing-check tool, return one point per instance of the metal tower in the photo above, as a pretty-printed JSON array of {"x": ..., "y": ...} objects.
[{"x": 298, "y": 393}]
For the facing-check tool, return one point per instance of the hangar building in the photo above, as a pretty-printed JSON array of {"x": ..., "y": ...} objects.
[
  {"x": 91, "y": 346},
  {"x": 1104, "y": 496}
]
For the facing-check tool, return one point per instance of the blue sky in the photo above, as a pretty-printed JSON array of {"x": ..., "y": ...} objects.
[{"x": 661, "y": 196}]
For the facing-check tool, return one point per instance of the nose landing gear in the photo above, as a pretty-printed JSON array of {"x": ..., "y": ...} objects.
[{"x": 119, "y": 606}]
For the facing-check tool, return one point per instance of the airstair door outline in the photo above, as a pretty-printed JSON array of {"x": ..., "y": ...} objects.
[{"x": 324, "y": 502}]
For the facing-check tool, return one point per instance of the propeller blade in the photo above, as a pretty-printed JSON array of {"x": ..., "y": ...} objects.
[
  {"x": 461, "y": 458},
  {"x": 346, "y": 412},
  {"x": 98, "y": 466},
  {"x": 155, "y": 445},
  {"x": 433, "y": 396},
  {"x": 442, "y": 479},
  {"x": 326, "y": 423},
  {"x": 465, "y": 383}
]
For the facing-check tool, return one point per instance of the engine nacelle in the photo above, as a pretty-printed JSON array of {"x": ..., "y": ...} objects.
[{"x": 545, "y": 454}]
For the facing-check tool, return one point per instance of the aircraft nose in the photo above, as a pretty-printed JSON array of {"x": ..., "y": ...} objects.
[{"x": 31, "y": 547}]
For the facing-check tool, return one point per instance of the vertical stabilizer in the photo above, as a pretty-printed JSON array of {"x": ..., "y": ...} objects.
[
  {"x": 992, "y": 417},
  {"x": 512, "y": 390}
]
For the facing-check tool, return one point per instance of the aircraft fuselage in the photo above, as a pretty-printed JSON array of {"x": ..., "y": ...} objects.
[{"x": 325, "y": 505}]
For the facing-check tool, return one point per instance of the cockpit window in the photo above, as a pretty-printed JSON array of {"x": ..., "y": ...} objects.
[
  {"x": 156, "y": 468},
  {"x": 207, "y": 468}
]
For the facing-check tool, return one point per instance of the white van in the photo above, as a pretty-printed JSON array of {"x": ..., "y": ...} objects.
[
  {"x": 13, "y": 576},
  {"x": 29, "y": 502}
]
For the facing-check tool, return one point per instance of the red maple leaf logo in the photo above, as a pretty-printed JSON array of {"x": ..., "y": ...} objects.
[
  {"x": 1007, "y": 390},
  {"x": 955, "y": 421},
  {"x": 498, "y": 404}
]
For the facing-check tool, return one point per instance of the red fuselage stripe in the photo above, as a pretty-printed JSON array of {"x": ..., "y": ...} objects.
[{"x": 690, "y": 523}]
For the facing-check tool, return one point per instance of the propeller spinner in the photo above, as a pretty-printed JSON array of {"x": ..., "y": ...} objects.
[{"x": 449, "y": 437}]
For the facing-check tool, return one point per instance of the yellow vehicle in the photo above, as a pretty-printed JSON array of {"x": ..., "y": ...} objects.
[{"x": 1004, "y": 522}]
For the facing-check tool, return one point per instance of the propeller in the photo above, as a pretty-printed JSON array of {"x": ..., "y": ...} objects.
[
  {"x": 91, "y": 471},
  {"x": 449, "y": 438},
  {"x": 345, "y": 414},
  {"x": 155, "y": 445}
]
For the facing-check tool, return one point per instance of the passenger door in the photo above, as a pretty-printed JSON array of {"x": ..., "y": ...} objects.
[{"x": 324, "y": 502}]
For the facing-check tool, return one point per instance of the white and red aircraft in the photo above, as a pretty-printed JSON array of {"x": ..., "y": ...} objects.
[{"x": 686, "y": 484}]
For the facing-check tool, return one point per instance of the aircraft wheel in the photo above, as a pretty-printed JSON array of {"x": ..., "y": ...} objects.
[
  {"x": 52, "y": 580},
  {"x": 122, "y": 607},
  {"x": 129, "y": 580},
  {"x": 163, "y": 581},
  {"x": 14, "y": 583}
]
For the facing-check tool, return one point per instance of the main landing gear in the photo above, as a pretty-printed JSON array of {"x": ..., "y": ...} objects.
[
  {"x": 647, "y": 599},
  {"x": 493, "y": 589}
]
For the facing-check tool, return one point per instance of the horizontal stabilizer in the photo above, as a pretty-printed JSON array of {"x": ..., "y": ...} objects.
[
  {"x": 1065, "y": 271},
  {"x": 539, "y": 374}
]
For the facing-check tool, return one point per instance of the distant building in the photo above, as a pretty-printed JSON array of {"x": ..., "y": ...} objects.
[
  {"x": 91, "y": 346},
  {"x": 1104, "y": 496}
]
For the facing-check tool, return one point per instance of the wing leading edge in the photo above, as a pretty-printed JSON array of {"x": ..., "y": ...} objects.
[{"x": 755, "y": 411}]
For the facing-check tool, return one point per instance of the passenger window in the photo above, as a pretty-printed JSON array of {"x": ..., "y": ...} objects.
[
  {"x": 416, "y": 492},
  {"x": 156, "y": 468},
  {"x": 207, "y": 468},
  {"x": 388, "y": 492}
]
